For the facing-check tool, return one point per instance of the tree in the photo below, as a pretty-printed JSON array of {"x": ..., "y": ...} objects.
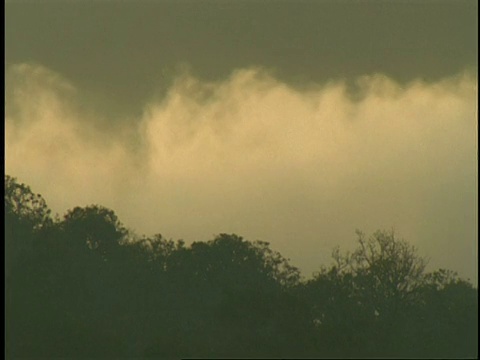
[
  {"x": 94, "y": 227},
  {"x": 26, "y": 214},
  {"x": 445, "y": 322},
  {"x": 27, "y": 218},
  {"x": 24, "y": 205},
  {"x": 226, "y": 296},
  {"x": 385, "y": 271},
  {"x": 360, "y": 299}
]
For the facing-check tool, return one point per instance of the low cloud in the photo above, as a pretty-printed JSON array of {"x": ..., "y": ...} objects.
[{"x": 301, "y": 169}]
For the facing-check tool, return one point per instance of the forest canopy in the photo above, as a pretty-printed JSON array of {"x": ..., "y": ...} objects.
[{"x": 83, "y": 285}]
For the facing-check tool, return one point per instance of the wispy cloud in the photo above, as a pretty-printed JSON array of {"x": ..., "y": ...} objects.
[{"x": 252, "y": 155}]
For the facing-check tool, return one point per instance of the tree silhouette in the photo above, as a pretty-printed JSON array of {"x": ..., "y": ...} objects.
[
  {"x": 94, "y": 227},
  {"x": 84, "y": 286},
  {"x": 24, "y": 205},
  {"x": 379, "y": 300},
  {"x": 27, "y": 219}
]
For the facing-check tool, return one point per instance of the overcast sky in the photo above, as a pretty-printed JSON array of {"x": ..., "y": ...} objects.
[{"x": 289, "y": 122}]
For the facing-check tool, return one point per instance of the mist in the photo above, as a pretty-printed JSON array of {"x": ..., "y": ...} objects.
[{"x": 299, "y": 168}]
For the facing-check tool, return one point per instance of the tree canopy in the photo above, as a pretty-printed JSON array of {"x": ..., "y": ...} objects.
[{"x": 85, "y": 286}]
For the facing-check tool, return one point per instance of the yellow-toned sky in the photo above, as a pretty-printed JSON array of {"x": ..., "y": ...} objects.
[
  {"x": 292, "y": 122},
  {"x": 252, "y": 155}
]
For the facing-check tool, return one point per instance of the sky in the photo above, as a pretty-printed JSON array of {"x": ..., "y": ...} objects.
[{"x": 294, "y": 123}]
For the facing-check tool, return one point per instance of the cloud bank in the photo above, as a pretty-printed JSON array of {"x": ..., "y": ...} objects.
[{"x": 300, "y": 168}]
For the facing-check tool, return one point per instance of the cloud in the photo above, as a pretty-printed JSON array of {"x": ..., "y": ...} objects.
[{"x": 301, "y": 169}]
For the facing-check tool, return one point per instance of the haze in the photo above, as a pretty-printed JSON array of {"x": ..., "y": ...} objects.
[{"x": 295, "y": 140}]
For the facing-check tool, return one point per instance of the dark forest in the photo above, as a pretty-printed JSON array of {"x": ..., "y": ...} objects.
[{"x": 83, "y": 286}]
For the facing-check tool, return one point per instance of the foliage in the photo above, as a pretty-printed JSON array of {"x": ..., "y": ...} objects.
[
  {"x": 85, "y": 286},
  {"x": 25, "y": 206},
  {"x": 380, "y": 301}
]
